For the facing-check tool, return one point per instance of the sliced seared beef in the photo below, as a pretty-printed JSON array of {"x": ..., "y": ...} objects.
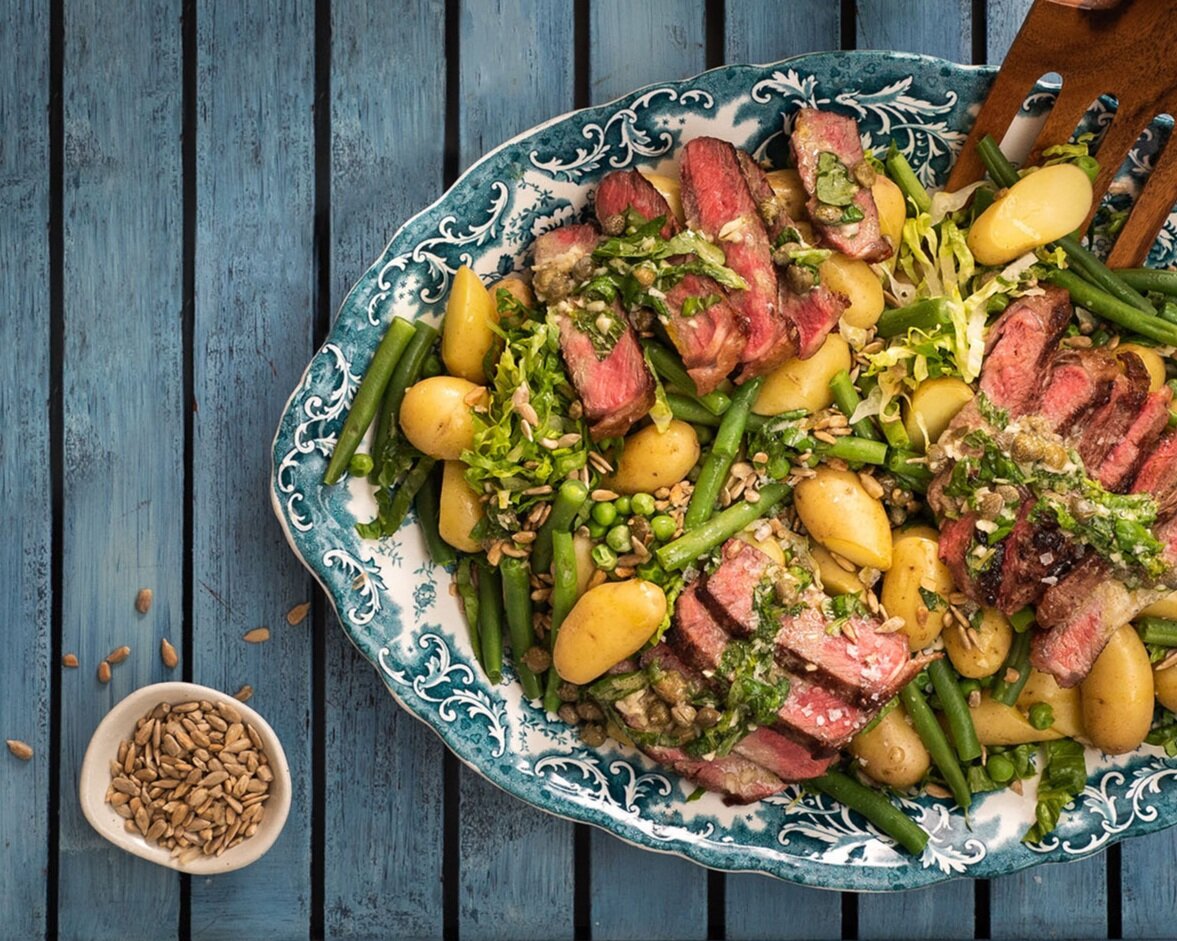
[
  {"x": 816, "y": 132},
  {"x": 1119, "y": 467},
  {"x": 560, "y": 249},
  {"x": 1080, "y": 382},
  {"x": 717, "y": 203},
  {"x": 813, "y": 313},
  {"x": 1158, "y": 475},
  {"x": 956, "y": 539},
  {"x": 710, "y": 341},
  {"x": 1019, "y": 347},
  {"x": 628, "y": 189},
  {"x": 695, "y": 635},
  {"x": 1110, "y": 424},
  {"x": 782, "y": 756},
  {"x": 729, "y": 592},
  {"x": 616, "y": 391},
  {"x": 740, "y": 780},
  {"x": 1035, "y": 554}
]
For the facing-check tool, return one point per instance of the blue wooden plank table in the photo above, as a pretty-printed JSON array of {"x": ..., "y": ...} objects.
[{"x": 187, "y": 189}]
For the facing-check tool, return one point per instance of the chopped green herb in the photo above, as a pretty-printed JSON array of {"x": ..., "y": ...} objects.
[{"x": 834, "y": 186}]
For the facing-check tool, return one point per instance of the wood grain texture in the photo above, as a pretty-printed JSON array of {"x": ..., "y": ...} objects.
[
  {"x": 382, "y": 878},
  {"x": 766, "y": 30},
  {"x": 25, "y": 496},
  {"x": 1003, "y": 18},
  {"x": 1055, "y": 901},
  {"x": 759, "y": 908},
  {"x": 255, "y": 292},
  {"x": 633, "y": 45},
  {"x": 515, "y": 70},
  {"x": 912, "y": 26},
  {"x": 1149, "y": 893},
  {"x": 941, "y": 912},
  {"x": 122, "y": 389}
]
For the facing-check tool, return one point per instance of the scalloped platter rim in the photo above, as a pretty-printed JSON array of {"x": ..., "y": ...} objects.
[{"x": 395, "y": 606}]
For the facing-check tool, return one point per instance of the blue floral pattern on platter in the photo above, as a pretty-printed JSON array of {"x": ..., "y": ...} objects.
[{"x": 395, "y": 605}]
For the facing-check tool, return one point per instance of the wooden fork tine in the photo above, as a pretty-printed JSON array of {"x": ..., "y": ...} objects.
[
  {"x": 1072, "y": 103},
  {"x": 1149, "y": 212},
  {"x": 1117, "y": 141}
]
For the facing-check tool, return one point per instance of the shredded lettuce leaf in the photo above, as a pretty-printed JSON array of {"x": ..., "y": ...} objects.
[{"x": 1064, "y": 776}]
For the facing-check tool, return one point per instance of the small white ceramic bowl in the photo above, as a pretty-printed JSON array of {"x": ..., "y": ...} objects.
[{"x": 119, "y": 724}]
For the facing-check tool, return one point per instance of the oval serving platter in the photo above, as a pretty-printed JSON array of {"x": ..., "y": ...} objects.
[{"x": 395, "y": 604}]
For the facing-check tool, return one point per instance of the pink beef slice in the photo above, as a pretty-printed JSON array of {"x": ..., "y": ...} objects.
[
  {"x": 616, "y": 391},
  {"x": 622, "y": 190},
  {"x": 1019, "y": 347},
  {"x": 812, "y": 314},
  {"x": 729, "y": 591},
  {"x": 956, "y": 539},
  {"x": 740, "y": 781},
  {"x": 1119, "y": 467},
  {"x": 857, "y": 662},
  {"x": 563, "y": 247},
  {"x": 1158, "y": 475},
  {"x": 1080, "y": 382},
  {"x": 1033, "y": 551},
  {"x": 815, "y": 132},
  {"x": 717, "y": 203},
  {"x": 710, "y": 341},
  {"x": 695, "y": 635},
  {"x": 784, "y": 757},
  {"x": 1109, "y": 426}
]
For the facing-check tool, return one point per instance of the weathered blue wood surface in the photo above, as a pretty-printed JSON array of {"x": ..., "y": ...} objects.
[
  {"x": 383, "y": 878},
  {"x": 123, "y": 425},
  {"x": 516, "y": 864},
  {"x": 372, "y": 864},
  {"x": 25, "y": 496},
  {"x": 252, "y": 337}
]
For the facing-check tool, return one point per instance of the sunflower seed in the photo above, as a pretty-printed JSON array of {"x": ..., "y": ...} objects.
[
  {"x": 259, "y": 635},
  {"x": 118, "y": 655},
  {"x": 104, "y": 672},
  {"x": 70, "y": 660},
  {"x": 167, "y": 653},
  {"x": 22, "y": 750},
  {"x": 244, "y": 694},
  {"x": 143, "y": 600}
]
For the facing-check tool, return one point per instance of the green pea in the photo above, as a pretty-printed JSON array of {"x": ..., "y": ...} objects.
[
  {"x": 643, "y": 504},
  {"x": 1000, "y": 769},
  {"x": 663, "y": 527},
  {"x": 968, "y": 687},
  {"x": 360, "y": 464},
  {"x": 652, "y": 572},
  {"x": 1041, "y": 715},
  {"x": 618, "y": 539},
  {"x": 621, "y": 505},
  {"x": 604, "y": 558},
  {"x": 605, "y": 513},
  {"x": 778, "y": 468},
  {"x": 597, "y": 530}
]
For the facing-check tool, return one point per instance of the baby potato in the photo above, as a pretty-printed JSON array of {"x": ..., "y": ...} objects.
[
  {"x": 1165, "y": 683},
  {"x": 466, "y": 333},
  {"x": 840, "y": 515},
  {"x": 1118, "y": 694},
  {"x": 1066, "y": 704},
  {"x": 517, "y": 288},
  {"x": 1153, "y": 362},
  {"x": 582, "y": 548},
  {"x": 804, "y": 383},
  {"x": 670, "y": 189},
  {"x": 892, "y": 209},
  {"x": 854, "y": 280},
  {"x": 934, "y": 404},
  {"x": 608, "y": 624},
  {"x": 892, "y": 752},
  {"x": 984, "y": 657},
  {"x": 1165, "y": 608},
  {"x": 461, "y": 510},
  {"x": 1041, "y": 207},
  {"x": 790, "y": 193},
  {"x": 999, "y": 724},
  {"x": 653, "y": 458},
  {"x": 770, "y": 547},
  {"x": 915, "y": 570},
  {"x": 835, "y": 579},
  {"x": 436, "y": 418}
]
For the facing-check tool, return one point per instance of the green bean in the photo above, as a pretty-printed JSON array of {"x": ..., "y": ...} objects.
[
  {"x": 468, "y": 593},
  {"x": 367, "y": 397},
  {"x": 722, "y": 455},
  {"x": 1149, "y": 279},
  {"x": 690, "y": 409},
  {"x": 1003, "y": 172},
  {"x": 928, "y": 315},
  {"x": 569, "y": 500},
  {"x": 490, "y": 621},
  {"x": 1110, "y": 308},
  {"x": 1018, "y": 660},
  {"x": 670, "y": 367},
  {"x": 956, "y": 710},
  {"x": 1159, "y": 631},
  {"x": 904, "y": 176},
  {"x": 936, "y": 742},
  {"x": 563, "y": 598},
  {"x": 398, "y": 508},
  {"x": 408, "y": 368},
  {"x": 847, "y": 399},
  {"x": 517, "y": 600},
  {"x": 900, "y": 462},
  {"x": 690, "y": 545},
  {"x": 857, "y": 450},
  {"x": 876, "y": 808},
  {"x": 1021, "y": 621},
  {"x": 428, "y": 506},
  {"x": 893, "y": 428}
]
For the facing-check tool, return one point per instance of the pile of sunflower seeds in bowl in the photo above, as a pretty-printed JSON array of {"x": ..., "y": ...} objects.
[{"x": 193, "y": 778}]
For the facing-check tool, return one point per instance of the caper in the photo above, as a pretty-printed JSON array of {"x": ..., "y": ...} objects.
[
  {"x": 800, "y": 278},
  {"x": 537, "y": 660},
  {"x": 614, "y": 224},
  {"x": 592, "y": 735},
  {"x": 1026, "y": 448},
  {"x": 1055, "y": 456},
  {"x": 671, "y": 687},
  {"x": 990, "y": 505},
  {"x": 568, "y": 714},
  {"x": 683, "y": 713},
  {"x": 552, "y": 284},
  {"x": 583, "y": 269},
  {"x": 827, "y": 214},
  {"x": 658, "y": 714},
  {"x": 590, "y": 711},
  {"x": 568, "y": 692},
  {"x": 864, "y": 174},
  {"x": 707, "y": 717}
]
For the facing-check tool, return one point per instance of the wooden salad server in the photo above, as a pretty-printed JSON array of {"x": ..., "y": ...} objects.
[{"x": 1121, "y": 48}]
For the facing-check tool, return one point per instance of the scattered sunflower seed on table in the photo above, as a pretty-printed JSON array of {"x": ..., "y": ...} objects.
[
  {"x": 22, "y": 750},
  {"x": 192, "y": 778}
]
